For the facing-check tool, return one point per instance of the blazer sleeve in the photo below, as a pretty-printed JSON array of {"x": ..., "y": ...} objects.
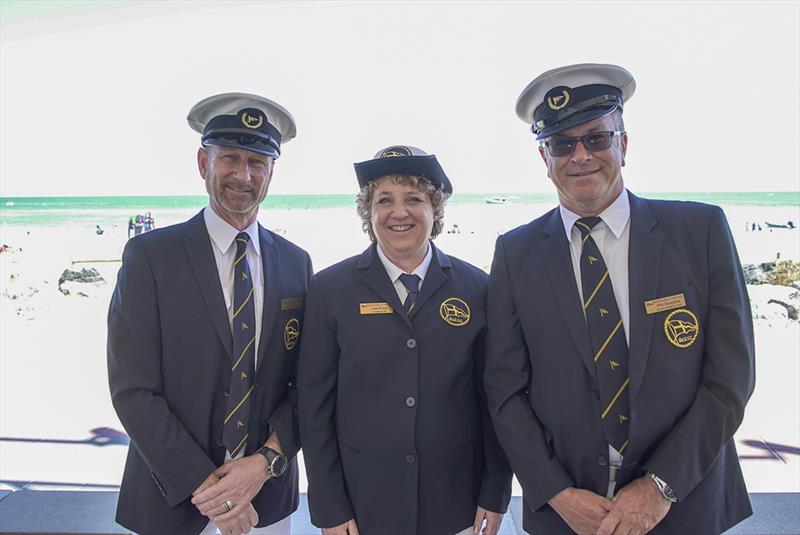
[
  {"x": 728, "y": 375},
  {"x": 175, "y": 459},
  {"x": 284, "y": 420},
  {"x": 317, "y": 377},
  {"x": 507, "y": 380},
  {"x": 495, "y": 491}
]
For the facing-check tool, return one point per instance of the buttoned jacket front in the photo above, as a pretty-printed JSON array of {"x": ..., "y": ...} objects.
[{"x": 395, "y": 428}]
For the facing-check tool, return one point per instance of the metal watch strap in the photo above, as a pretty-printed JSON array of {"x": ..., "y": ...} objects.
[{"x": 664, "y": 488}]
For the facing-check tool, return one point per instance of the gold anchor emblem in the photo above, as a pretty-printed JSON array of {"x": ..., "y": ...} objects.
[
  {"x": 592, "y": 260},
  {"x": 243, "y": 376},
  {"x": 244, "y": 326},
  {"x": 613, "y": 364},
  {"x": 244, "y": 276},
  {"x": 622, "y": 418},
  {"x": 603, "y": 312},
  {"x": 239, "y": 424}
]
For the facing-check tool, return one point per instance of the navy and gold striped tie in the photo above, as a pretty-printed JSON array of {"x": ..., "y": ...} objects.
[
  {"x": 411, "y": 282},
  {"x": 608, "y": 338},
  {"x": 244, "y": 351}
]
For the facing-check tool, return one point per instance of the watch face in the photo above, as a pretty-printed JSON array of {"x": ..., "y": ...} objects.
[{"x": 278, "y": 466}]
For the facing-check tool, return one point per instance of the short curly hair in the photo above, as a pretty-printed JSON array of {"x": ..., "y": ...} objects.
[{"x": 437, "y": 196}]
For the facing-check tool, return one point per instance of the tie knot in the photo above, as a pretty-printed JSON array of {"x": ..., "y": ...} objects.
[
  {"x": 411, "y": 282},
  {"x": 241, "y": 241},
  {"x": 586, "y": 224}
]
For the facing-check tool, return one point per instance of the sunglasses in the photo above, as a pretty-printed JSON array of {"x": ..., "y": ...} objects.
[{"x": 593, "y": 142}]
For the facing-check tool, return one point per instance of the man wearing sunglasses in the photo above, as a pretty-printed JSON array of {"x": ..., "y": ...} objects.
[{"x": 620, "y": 341}]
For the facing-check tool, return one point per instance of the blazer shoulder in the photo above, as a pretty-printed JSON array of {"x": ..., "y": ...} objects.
[
  {"x": 286, "y": 245},
  {"x": 159, "y": 237},
  {"x": 524, "y": 233},
  {"x": 469, "y": 270},
  {"x": 687, "y": 214},
  {"x": 337, "y": 271}
]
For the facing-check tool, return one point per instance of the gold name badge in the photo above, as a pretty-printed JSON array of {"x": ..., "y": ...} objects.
[
  {"x": 375, "y": 308},
  {"x": 293, "y": 303},
  {"x": 665, "y": 303}
]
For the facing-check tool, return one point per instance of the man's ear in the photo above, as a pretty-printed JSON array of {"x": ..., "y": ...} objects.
[{"x": 202, "y": 161}]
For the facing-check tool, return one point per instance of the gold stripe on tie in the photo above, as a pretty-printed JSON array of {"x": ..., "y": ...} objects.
[
  {"x": 610, "y": 336},
  {"x": 624, "y": 445},
  {"x": 235, "y": 262},
  {"x": 239, "y": 405},
  {"x": 625, "y": 384},
  {"x": 236, "y": 449},
  {"x": 599, "y": 284},
  {"x": 584, "y": 225},
  {"x": 246, "y": 300},
  {"x": 243, "y": 352}
]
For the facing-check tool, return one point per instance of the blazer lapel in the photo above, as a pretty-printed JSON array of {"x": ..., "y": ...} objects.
[
  {"x": 270, "y": 260},
  {"x": 201, "y": 258},
  {"x": 644, "y": 261},
  {"x": 562, "y": 277},
  {"x": 434, "y": 278},
  {"x": 372, "y": 273}
]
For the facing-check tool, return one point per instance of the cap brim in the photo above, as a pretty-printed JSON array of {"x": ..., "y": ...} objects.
[
  {"x": 573, "y": 76},
  {"x": 424, "y": 166},
  {"x": 264, "y": 149}
]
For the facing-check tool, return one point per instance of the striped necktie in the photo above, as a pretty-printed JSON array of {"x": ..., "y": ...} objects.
[
  {"x": 608, "y": 338},
  {"x": 411, "y": 282},
  {"x": 237, "y": 415}
]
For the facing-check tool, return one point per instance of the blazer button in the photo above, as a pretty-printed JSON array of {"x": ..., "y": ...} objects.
[
  {"x": 411, "y": 343},
  {"x": 410, "y": 459},
  {"x": 602, "y": 460},
  {"x": 410, "y": 402},
  {"x": 596, "y": 393}
]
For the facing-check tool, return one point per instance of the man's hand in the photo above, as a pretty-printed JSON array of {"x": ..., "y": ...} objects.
[
  {"x": 239, "y": 482},
  {"x": 636, "y": 509},
  {"x": 582, "y": 510},
  {"x": 237, "y": 521},
  {"x": 493, "y": 521},
  {"x": 348, "y": 528},
  {"x": 210, "y": 480}
]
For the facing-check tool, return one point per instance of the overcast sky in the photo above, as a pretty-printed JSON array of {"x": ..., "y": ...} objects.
[{"x": 94, "y": 95}]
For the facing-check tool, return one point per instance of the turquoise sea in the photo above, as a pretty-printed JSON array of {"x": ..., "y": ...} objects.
[{"x": 116, "y": 210}]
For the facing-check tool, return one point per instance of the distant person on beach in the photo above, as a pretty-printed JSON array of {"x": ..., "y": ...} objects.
[
  {"x": 620, "y": 340},
  {"x": 397, "y": 438},
  {"x": 203, "y": 333}
]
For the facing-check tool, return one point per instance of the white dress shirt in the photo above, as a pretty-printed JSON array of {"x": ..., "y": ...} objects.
[
  {"x": 612, "y": 236},
  {"x": 394, "y": 272}
]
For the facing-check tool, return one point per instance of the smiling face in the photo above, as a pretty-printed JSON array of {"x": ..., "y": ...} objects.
[
  {"x": 588, "y": 182},
  {"x": 402, "y": 217},
  {"x": 237, "y": 181}
]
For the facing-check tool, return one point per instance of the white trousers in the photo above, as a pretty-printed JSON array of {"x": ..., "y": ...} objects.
[{"x": 282, "y": 527}]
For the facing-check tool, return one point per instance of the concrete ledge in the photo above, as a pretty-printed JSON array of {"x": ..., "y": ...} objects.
[{"x": 92, "y": 512}]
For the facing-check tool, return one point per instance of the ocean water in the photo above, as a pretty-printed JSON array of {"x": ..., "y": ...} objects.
[{"x": 104, "y": 211}]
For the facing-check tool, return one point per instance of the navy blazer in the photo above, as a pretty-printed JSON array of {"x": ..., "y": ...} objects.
[
  {"x": 686, "y": 402},
  {"x": 396, "y": 432},
  {"x": 169, "y": 366}
]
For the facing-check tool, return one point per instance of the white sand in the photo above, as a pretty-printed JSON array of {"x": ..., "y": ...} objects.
[{"x": 53, "y": 382}]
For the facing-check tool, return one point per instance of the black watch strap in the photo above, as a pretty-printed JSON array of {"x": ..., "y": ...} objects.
[{"x": 276, "y": 461}]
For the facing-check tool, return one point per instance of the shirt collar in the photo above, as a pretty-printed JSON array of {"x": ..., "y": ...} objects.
[
  {"x": 615, "y": 216},
  {"x": 394, "y": 272},
  {"x": 223, "y": 234}
]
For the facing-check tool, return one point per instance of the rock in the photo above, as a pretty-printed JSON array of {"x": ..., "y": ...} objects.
[
  {"x": 757, "y": 273},
  {"x": 77, "y": 282},
  {"x": 790, "y": 310}
]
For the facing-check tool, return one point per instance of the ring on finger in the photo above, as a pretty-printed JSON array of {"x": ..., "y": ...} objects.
[{"x": 228, "y": 505}]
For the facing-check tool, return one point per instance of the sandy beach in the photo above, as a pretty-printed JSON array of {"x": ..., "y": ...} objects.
[{"x": 53, "y": 382}]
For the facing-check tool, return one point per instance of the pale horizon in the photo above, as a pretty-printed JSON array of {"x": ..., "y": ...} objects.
[{"x": 94, "y": 95}]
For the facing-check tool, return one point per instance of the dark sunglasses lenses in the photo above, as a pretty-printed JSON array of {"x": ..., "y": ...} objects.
[{"x": 593, "y": 142}]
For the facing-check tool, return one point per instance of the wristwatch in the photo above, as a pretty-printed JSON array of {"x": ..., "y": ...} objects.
[
  {"x": 666, "y": 490},
  {"x": 276, "y": 462}
]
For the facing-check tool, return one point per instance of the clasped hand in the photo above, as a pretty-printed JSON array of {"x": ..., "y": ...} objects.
[{"x": 236, "y": 483}]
